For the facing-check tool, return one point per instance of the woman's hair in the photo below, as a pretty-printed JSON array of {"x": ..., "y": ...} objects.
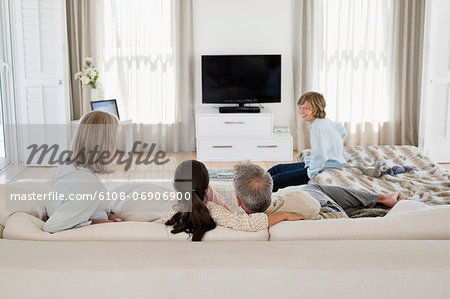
[
  {"x": 317, "y": 102},
  {"x": 192, "y": 180},
  {"x": 96, "y": 134}
]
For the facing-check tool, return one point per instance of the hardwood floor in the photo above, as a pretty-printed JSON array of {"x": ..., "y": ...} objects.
[{"x": 137, "y": 172}]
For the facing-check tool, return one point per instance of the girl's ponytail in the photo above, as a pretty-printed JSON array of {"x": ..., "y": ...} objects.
[{"x": 192, "y": 178}]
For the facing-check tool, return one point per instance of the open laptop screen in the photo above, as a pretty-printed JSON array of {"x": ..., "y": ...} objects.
[{"x": 109, "y": 106}]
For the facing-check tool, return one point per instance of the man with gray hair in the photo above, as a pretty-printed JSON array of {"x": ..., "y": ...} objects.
[{"x": 253, "y": 188}]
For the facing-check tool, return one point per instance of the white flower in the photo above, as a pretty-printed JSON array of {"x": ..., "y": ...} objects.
[
  {"x": 78, "y": 75},
  {"x": 85, "y": 80},
  {"x": 91, "y": 72},
  {"x": 88, "y": 61},
  {"x": 89, "y": 76}
]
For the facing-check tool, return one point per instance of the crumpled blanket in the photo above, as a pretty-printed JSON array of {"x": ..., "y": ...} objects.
[{"x": 429, "y": 183}]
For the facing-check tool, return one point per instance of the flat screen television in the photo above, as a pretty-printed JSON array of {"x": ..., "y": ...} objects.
[{"x": 241, "y": 79}]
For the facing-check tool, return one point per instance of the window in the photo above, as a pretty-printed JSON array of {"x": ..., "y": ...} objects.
[
  {"x": 353, "y": 60},
  {"x": 138, "y": 59}
]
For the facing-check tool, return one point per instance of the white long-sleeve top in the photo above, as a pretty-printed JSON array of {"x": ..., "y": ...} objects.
[
  {"x": 327, "y": 146},
  {"x": 72, "y": 183}
]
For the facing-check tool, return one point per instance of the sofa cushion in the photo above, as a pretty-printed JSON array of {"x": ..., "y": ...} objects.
[
  {"x": 22, "y": 189},
  {"x": 137, "y": 205},
  {"x": 135, "y": 208},
  {"x": 428, "y": 223},
  {"x": 22, "y": 226}
]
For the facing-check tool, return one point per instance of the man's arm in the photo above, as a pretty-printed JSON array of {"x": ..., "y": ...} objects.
[
  {"x": 245, "y": 222},
  {"x": 279, "y": 217}
]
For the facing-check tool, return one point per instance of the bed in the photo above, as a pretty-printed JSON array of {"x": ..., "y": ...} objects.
[{"x": 429, "y": 183}]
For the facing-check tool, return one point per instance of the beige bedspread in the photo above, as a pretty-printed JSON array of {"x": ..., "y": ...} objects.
[{"x": 429, "y": 183}]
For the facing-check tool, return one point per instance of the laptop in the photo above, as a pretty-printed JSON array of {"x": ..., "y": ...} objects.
[{"x": 109, "y": 106}]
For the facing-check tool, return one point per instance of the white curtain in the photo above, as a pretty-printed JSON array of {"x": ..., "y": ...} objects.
[
  {"x": 353, "y": 59},
  {"x": 353, "y": 67},
  {"x": 146, "y": 61}
]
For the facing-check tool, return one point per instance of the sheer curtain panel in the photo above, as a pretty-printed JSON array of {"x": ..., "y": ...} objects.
[
  {"x": 146, "y": 60},
  {"x": 365, "y": 57}
]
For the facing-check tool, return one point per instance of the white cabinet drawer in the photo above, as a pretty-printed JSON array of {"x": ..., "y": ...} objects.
[
  {"x": 234, "y": 125},
  {"x": 236, "y": 149},
  {"x": 218, "y": 150},
  {"x": 270, "y": 149}
]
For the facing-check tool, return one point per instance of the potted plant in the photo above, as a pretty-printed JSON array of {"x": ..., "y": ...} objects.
[{"x": 89, "y": 76}]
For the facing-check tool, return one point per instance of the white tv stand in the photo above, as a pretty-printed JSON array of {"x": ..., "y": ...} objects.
[{"x": 240, "y": 136}]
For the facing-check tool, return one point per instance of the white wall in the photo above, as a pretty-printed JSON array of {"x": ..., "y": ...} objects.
[{"x": 246, "y": 27}]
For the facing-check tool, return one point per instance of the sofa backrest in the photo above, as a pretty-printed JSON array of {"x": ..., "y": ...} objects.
[
  {"x": 407, "y": 222},
  {"x": 22, "y": 226}
]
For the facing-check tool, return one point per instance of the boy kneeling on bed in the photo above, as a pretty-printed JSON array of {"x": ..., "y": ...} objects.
[{"x": 253, "y": 188}]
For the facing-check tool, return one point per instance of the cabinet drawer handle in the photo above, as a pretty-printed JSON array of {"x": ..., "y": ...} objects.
[
  {"x": 222, "y": 146},
  {"x": 235, "y": 122},
  {"x": 267, "y": 146}
]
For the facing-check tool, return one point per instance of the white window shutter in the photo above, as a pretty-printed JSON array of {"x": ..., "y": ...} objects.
[
  {"x": 435, "y": 114},
  {"x": 41, "y": 59}
]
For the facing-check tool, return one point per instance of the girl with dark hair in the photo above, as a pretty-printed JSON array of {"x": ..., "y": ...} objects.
[{"x": 195, "y": 215}]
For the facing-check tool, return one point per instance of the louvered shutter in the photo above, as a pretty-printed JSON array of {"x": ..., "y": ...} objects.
[{"x": 41, "y": 36}]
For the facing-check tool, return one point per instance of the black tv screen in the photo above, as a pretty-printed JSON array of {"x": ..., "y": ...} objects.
[{"x": 241, "y": 78}]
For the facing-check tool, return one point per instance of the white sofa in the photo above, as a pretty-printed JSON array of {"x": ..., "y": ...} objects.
[{"x": 402, "y": 255}]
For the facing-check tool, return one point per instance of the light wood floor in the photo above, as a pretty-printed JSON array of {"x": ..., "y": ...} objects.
[{"x": 137, "y": 172}]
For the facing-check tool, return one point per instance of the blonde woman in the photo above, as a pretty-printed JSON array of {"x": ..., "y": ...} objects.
[
  {"x": 327, "y": 142},
  {"x": 77, "y": 179}
]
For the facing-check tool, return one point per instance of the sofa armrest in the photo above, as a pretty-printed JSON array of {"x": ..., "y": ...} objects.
[{"x": 17, "y": 196}]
